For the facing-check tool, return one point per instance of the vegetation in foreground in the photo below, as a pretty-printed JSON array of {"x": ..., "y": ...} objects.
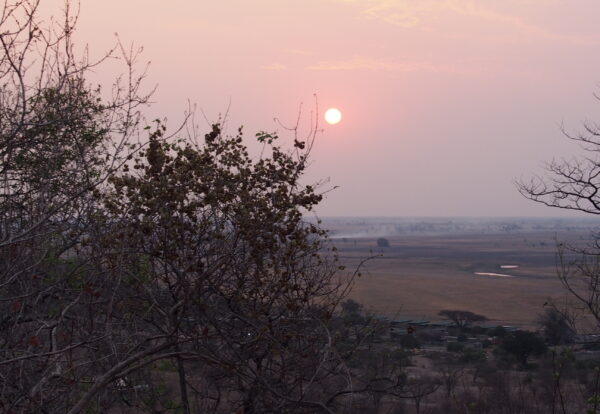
[{"x": 148, "y": 272}]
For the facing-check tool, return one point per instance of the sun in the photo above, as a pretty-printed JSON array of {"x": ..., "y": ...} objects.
[{"x": 333, "y": 116}]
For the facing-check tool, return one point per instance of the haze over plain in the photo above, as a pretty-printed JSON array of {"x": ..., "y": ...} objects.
[{"x": 445, "y": 102}]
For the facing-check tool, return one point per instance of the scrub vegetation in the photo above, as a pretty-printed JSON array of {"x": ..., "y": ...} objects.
[{"x": 149, "y": 271}]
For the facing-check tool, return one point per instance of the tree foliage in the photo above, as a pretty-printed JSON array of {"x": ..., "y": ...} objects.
[
  {"x": 523, "y": 344},
  {"x": 127, "y": 254},
  {"x": 383, "y": 242},
  {"x": 557, "y": 327},
  {"x": 59, "y": 142},
  {"x": 233, "y": 270}
]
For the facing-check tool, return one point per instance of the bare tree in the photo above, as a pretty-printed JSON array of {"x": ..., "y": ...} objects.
[
  {"x": 450, "y": 375},
  {"x": 570, "y": 184},
  {"x": 573, "y": 184}
]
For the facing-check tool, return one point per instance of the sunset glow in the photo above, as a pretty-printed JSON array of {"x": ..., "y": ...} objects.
[
  {"x": 333, "y": 116},
  {"x": 423, "y": 80}
]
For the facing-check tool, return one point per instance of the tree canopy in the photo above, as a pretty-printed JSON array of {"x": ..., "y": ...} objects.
[
  {"x": 127, "y": 252},
  {"x": 523, "y": 344}
]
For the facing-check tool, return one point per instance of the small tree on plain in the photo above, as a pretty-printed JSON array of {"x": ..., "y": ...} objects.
[
  {"x": 350, "y": 306},
  {"x": 383, "y": 242},
  {"x": 462, "y": 318}
]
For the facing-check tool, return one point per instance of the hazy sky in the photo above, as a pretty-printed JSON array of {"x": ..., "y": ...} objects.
[{"x": 444, "y": 102}]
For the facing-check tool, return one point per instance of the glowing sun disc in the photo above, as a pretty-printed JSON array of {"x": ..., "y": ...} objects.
[{"x": 333, "y": 116}]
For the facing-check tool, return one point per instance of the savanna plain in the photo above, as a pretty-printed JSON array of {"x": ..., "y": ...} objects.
[{"x": 504, "y": 269}]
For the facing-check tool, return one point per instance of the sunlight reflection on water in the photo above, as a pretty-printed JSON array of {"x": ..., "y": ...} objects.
[{"x": 492, "y": 274}]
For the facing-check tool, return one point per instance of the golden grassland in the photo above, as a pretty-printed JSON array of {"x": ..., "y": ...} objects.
[{"x": 417, "y": 276}]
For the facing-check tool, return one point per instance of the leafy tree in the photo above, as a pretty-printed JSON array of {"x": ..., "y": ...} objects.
[
  {"x": 461, "y": 318},
  {"x": 120, "y": 260},
  {"x": 523, "y": 344},
  {"x": 229, "y": 251},
  {"x": 556, "y": 327},
  {"x": 60, "y": 140},
  {"x": 350, "y": 306}
]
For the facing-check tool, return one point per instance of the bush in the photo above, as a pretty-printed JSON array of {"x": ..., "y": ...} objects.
[
  {"x": 470, "y": 355},
  {"x": 556, "y": 327},
  {"x": 592, "y": 346},
  {"x": 454, "y": 347},
  {"x": 498, "y": 331},
  {"x": 523, "y": 344},
  {"x": 382, "y": 242},
  {"x": 409, "y": 342},
  {"x": 585, "y": 364},
  {"x": 350, "y": 306},
  {"x": 477, "y": 330}
]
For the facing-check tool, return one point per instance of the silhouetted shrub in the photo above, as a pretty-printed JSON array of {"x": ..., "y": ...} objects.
[
  {"x": 556, "y": 327},
  {"x": 382, "y": 242},
  {"x": 454, "y": 347},
  {"x": 498, "y": 331},
  {"x": 523, "y": 344},
  {"x": 409, "y": 342}
]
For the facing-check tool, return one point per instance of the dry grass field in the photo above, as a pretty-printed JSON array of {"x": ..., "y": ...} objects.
[{"x": 419, "y": 275}]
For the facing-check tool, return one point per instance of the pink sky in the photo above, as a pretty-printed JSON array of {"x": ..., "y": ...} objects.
[{"x": 445, "y": 102}]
